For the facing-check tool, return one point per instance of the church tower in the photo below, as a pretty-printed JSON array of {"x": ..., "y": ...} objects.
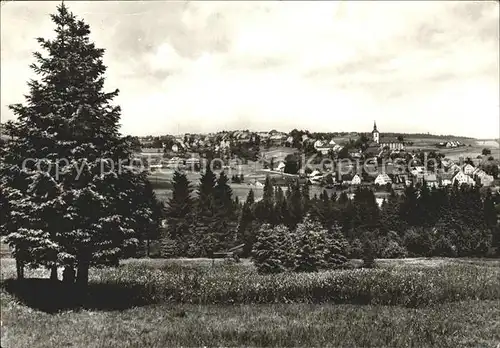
[{"x": 375, "y": 133}]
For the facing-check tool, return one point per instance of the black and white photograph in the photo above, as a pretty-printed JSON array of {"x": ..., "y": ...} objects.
[{"x": 249, "y": 174}]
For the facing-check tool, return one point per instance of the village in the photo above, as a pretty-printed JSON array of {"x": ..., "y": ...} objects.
[{"x": 331, "y": 162}]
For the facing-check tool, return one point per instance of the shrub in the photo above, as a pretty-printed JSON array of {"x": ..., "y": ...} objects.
[
  {"x": 356, "y": 249},
  {"x": 418, "y": 241},
  {"x": 393, "y": 250},
  {"x": 336, "y": 246},
  {"x": 444, "y": 247},
  {"x": 168, "y": 247}
]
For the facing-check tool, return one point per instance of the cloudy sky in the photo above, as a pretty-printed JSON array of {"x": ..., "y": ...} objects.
[{"x": 424, "y": 66}]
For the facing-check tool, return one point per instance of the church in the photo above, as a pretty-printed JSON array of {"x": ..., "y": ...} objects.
[{"x": 386, "y": 142}]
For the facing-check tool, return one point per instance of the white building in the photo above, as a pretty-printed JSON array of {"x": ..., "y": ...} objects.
[
  {"x": 281, "y": 167},
  {"x": 383, "y": 179},
  {"x": 468, "y": 169},
  {"x": 356, "y": 180},
  {"x": 484, "y": 178},
  {"x": 462, "y": 178}
]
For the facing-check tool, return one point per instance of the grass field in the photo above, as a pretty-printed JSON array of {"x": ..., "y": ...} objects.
[
  {"x": 194, "y": 303},
  {"x": 472, "y": 151}
]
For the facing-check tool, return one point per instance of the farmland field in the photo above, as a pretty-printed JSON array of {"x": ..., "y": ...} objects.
[{"x": 167, "y": 303}]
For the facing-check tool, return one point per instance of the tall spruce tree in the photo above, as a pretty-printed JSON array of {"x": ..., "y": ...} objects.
[
  {"x": 246, "y": 228},
  {"x": 490, "y": 214},
  {"x": 311, "y": 246},
  {"x": 180, "y": 212},
  {"x": 295, "y": 206},
  {"x": 206, "y": 194},
  {"x": 73, "y": 203},
  {"x": 224, "y": 227},
  {"x": 223, "y": 197},
  {"x": 267, "y": 252},
  {"x": 264, "y": 209}
]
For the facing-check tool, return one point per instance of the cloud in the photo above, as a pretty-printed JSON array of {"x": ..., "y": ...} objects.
[{"x": 203, "y": 66}]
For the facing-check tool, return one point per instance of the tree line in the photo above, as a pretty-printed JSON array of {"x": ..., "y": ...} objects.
[{"x": 424, "y": 221}]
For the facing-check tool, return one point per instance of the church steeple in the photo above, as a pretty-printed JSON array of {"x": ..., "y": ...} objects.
[{"x": 375, "y": 133}]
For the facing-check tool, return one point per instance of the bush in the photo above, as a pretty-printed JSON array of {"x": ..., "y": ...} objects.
[
  {"x": 168, "y": 247},
  {"x": 444, "y": 247},
  {"x": 486, "y": 152},
  {"x": 418, "y": 242},
  {"x": 393, "y": 250},
  {"x": 356, "y": 249}
]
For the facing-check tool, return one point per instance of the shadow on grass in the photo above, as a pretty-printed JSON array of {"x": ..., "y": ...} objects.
[{"x": 52, "y": 297}]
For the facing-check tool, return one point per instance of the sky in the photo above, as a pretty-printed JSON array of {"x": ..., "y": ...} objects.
[{"x": 423, "y": 66}]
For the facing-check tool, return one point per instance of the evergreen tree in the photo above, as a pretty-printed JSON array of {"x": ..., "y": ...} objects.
[
  {"x": 490, "y": 214},
  {"x": 334, "y": 197},
  {"x": 223, "y": 197},
  {"x": 368, "y": 253},
  {"x": 337, "y": 246},
  {"x": 168, "y": 246},
  {"x": 310, "y": 246},
  {"x": 306, "y": 198},
  {"x": 295, "y": 206},
  {"x": 224, "y": 227},
  {"x": 246, "y": 228},
  {"x": 268, "y": 191},
  {"x": 408, "y": 208},
  {"x": 180, "y": 212},
  {"x": 389, "y": 217},
  {"x": 206, "y": 193},
  {"x": 366, "y": 211},
  {"x": 267, "y": 252},
  {"x": 343, "y": 198},
  {"x": 74, "y": 202},
  {"x": 264, "y": 210}
]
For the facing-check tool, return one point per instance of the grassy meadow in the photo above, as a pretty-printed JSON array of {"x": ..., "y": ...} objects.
[{"x": 170, "y": 303}]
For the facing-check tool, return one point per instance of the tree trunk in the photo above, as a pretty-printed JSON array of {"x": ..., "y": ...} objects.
[
  {"x": 68, "y": 275},
  {"x": 82, "y": 276},
  {"x": 19, "y": 269},
  {"x": 147, "y": 246},
  {"x": 53, "y": 273}
]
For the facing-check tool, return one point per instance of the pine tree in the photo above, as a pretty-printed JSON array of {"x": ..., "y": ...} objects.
[
  {"x": 168, "y": 245},
  {"x": 490, "y": 214},
  {"x": 306, "y": 198},
  {"x": 223, "y": 196},
  {"x": 408, "y": 208},
  {"x": 343, "y": 198},
  {"x": 389, "y": 216},
  {"x": 265, "y": 206},
  {"x": 268, "y": 191},
  {"x": 310, "y": 246},
  {"x": 295, "y": 206},
  {"x": 246, "y": 230},
  {"x": 206, "y": 193},
  {"x": 368, "y": 253},
  {"x": 267, "y": 253},
  {"x": 74, "y": 203},
  {"x": 334, "y": 197},
  {"x": 180, "y": 212},
  {"x": 224, "y": 227}
]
